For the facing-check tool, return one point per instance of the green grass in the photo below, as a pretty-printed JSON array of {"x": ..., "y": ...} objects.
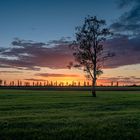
[{"x": 50, "y": 115}]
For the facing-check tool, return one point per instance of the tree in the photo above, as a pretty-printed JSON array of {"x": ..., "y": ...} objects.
[
  {"x": 1, "y": 82},
  {"x": 89, "y": 49}
]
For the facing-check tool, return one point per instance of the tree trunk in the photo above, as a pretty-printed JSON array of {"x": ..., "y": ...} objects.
[
  {"x": 94, "y": 93},
  {"x": 93, "y": 88}
]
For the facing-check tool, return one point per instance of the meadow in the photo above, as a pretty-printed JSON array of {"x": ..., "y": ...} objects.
[{"x": 69, "y": 115}]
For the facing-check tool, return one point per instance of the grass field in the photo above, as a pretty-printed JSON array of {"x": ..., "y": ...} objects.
[{"x": 51, "y": 115}]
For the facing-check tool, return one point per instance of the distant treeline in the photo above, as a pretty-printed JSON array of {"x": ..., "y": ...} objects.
[{"x": 57, "y": 84}]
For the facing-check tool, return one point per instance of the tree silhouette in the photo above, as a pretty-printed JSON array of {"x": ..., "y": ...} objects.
[
  {"x": 88, "y": 48},
  {"x": 1, "y": 82}
]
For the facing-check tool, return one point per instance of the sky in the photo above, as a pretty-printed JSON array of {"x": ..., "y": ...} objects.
[{"x": 35, "y": 35}]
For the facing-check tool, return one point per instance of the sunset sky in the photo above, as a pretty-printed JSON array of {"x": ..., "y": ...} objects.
[{"x": 35, "y": 37}]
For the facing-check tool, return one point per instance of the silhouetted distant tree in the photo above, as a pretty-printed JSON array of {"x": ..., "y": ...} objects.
[
  {"x": 13, "y": 83},
  {"x": 88, "y": 48},
  {"x": 87, "y": 83},
  {"x": 37, "y": 84},
  {"x": 67, "y": 83},
  {"x": 47, "y": 83},
  {"x": 44, "y": 83},
  {"x": 117, "y": 84},
  {"x": 1, "y": 82},
  {"x": 51, "y": 83},
  {"x": 20, "y": 83},
  {"x": 79, "y": 84},
  {"x": 112, "y": 83},
  {"x": 4, "y": 82},
  {"x": 84, "y": 83},
  {"x": 55, "y": 83}
]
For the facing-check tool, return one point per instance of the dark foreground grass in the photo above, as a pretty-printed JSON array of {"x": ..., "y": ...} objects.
[{"x": 48, "y": 115}]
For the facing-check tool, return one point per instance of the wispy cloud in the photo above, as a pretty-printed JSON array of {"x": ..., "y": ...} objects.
[
  {"x": 121, "y": 79},
  {"x": 1, "y": 72},
  {"x": 55, "y": 75},
  {"x": 34, "y": 79}
]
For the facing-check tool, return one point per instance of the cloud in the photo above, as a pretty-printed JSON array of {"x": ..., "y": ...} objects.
[
  {"x": 126, "y": 41},
  {"x": 62, "y": 41},
  {"x": 31, "y": 55},
  {"x": 27, "y": 43},
  {"x": 126, "y": 51},
  {"x": 55, "y": 75},
  {"x": 128, "y": 22},
  {"x": 121, "y": 79},
  {"x": 56, "y": 54},
  {"x": 34, "y": 79},
  {"x": 1, "y": 72}
]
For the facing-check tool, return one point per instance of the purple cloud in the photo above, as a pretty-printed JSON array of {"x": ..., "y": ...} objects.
[{"x": 55, "y": 75}]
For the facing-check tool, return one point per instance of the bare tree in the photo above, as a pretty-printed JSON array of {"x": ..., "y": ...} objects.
[{"x": 89, "y": 49}]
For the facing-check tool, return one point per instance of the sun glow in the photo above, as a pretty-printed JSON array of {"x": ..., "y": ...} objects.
[{"x": 125, "y": 75}]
